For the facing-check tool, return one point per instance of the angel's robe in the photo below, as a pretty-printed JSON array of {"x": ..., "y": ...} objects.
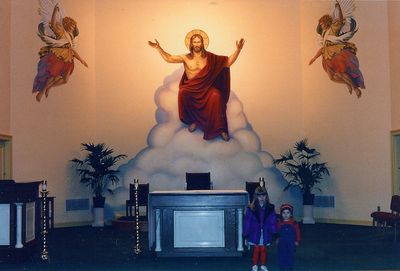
[
  {"x": 56, "y": 59},
  {"x": 202, "y": 100},
  {"x": 340, "y": 57}
]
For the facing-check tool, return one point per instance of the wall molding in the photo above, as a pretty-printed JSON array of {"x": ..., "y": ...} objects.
[
  {"x": 344, "y": 221},
  {"x": 317, "y": 220},
  {"x": 73, "y": 224}
]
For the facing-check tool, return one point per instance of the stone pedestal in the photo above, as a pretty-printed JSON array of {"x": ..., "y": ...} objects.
[
  {"x": 98, "y": 216},
  {"x": 308, "y": 214}
]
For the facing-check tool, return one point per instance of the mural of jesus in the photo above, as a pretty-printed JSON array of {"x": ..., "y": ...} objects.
[{"x": 205, "y": 85}]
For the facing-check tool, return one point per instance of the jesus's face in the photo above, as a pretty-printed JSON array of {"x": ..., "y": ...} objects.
[{"x": 197, "y": 45}]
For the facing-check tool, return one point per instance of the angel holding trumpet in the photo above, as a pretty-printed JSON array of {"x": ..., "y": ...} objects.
[
  {"x": 339, "y": 58},
  {"x": 56, "y": 62}
]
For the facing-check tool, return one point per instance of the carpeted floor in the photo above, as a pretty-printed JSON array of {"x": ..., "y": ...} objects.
[{"x": 323, "y": 247}]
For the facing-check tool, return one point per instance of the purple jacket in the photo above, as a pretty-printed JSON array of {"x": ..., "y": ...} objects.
[{"x": 260, "y": 218}]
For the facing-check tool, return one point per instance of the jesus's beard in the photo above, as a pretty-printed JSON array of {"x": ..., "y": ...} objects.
[{"x": 197, "y": 49}]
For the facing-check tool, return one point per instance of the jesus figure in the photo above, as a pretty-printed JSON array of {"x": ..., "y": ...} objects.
[{"x": 205, "y": 85}]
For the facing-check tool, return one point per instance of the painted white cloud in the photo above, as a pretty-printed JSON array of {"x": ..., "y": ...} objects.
[{"x": 172, "y": 151}]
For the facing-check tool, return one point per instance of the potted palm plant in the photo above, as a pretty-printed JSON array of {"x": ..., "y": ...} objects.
[
  {"x": 301, "y": 169},
  {"x": 96, "y": 172}
]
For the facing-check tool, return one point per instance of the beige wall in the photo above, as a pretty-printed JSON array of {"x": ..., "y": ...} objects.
[
  {"x": 47, "y": 135},
  {"x": 266, "y": 76},
  {"x": 284, "y": 99},
  {"x": 5, "y": 16},
  {"x": 352, "y": 134},
  {"x": 394, "y": 45}
]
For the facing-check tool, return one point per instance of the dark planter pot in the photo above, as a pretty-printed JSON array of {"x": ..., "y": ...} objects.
[
  {"x": 308, "y": 199},
  {"x": 98, "y": 202}
]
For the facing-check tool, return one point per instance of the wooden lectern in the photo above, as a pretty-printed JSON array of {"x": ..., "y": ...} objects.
[{"x": 19, "y": 220}]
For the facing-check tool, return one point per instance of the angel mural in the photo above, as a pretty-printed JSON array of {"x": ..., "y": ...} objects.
[
  {"x": 56, "y": 62},
  {"x": 339, "y": 58}
]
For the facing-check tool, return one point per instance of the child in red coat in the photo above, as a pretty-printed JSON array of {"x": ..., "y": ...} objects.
[{"x": 289, "y": 238}]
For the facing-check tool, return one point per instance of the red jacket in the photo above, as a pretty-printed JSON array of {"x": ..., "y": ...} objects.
[{"x": 293, "y": 223}]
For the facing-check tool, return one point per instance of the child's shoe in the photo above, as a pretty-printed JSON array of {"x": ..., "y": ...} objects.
[
  {"x": 264, "y": 268},
  {"x": 254, "y": 268}
]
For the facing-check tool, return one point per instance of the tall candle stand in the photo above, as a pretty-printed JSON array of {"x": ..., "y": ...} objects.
[
  {"x": 44, "y": 255},
  {"x": 261, "y": 181},
  {"x": 137, "y": 249}
]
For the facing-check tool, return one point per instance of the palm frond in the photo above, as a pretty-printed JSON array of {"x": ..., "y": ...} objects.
[
  {"x": 300, "y": 168},
  {"x": 95, "y": 169},
  {"x": 284, "y": 158}
]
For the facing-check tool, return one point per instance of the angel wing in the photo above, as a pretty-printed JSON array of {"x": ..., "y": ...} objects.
[
  {"x": 341, "y": 38},
  {"x": 46, "y": 34},
  {"x": 51, "y": 40},
  {"x": 347, "y": 7},
  {"x": 45, "y": 11}
]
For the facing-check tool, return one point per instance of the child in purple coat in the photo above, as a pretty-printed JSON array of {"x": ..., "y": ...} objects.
[{"x": 259, "y": 227}]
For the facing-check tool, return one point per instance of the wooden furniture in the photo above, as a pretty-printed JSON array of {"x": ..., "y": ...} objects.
[
  {"x": 143, "y": 193},
  {"x": 198, "y": 181},
  {"x": 19, "y": 220},
  {"x": 388, "y": 219},
  {"x": 196, "y": 223}
]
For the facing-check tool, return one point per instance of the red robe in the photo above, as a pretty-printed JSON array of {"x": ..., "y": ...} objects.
[{"x": 202, "y": 99}]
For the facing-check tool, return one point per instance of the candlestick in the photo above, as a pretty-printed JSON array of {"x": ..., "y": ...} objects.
[
  {"x": 137, "y": 249},
  {"x": 44, "y": 254}
]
